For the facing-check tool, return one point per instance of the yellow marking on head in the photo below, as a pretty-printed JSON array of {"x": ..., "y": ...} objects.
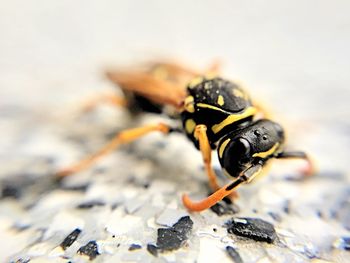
[
  {"x": 221, "y": 100},
  {"x": 223, "y": 146},
  {"x": 250, "y": 111},
  {"x": 239, "y": 93},
  {"x": 189, "y": 106},
  {"x": 190, "y": 125},
  {"x": 268, "y": 152},
  {"x": 204, "y": 105},
  {"x": 194, "y": 82}
]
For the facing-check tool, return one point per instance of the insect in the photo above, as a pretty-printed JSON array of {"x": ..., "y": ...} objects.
[{"x": 216, "y": 114}]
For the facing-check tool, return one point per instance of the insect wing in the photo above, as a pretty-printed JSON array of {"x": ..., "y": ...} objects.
[{"x": 145, "y": 84}]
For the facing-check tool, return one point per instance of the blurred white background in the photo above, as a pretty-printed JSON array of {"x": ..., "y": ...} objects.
[{"x": 293, "y": 54}]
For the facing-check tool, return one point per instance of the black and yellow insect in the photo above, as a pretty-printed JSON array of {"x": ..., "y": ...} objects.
[{"x": 215, "y": 114}]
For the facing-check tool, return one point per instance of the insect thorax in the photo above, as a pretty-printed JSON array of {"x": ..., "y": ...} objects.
[{"x": 219, "y": 104}]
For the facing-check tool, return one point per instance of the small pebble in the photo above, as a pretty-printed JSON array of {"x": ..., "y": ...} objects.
[
  {"x": 70, "y": 239},
  {"x": 174, "y": 237},
  {"x": 184, "y": 225},
  {"x": 275, "y": 216},
  {"x": 79, "y": 188},
  {"x": 134, "y": 247},
  {"x": 90, "y": 250},
  {"x": 223, "y": 208},
  {"x": 22, "y": 260},
  {"x": 90, "y": 204},
  {"x": 234, "y": 255},
  {"x": 152, "y": 249},
  {"x": 10, "y": 191},
  {"x": 343, "y": 243},
  {"x": 253, "y": 228},
  {"x": 286, "y": 207}
]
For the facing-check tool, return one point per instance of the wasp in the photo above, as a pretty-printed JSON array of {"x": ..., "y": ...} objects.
[{"x": 213, "y": 112}]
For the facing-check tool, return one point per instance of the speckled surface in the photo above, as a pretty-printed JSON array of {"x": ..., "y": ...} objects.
[{"x": 122, "y": 209}]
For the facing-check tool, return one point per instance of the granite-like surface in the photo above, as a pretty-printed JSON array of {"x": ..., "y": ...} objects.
[
  {"x": 125, "y": 199},
  {"x": 293, "y": 56}
]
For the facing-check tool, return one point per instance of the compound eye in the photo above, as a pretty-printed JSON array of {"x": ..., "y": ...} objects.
[{"x": 236, "y": 156}]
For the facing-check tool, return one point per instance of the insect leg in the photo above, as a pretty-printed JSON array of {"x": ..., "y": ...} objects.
[
  {"x": 220, "y": 194},
  {"x": 123, "y": 137},
  {"x": 204, "y": 146},
  {"x": 310, "y": 168}
]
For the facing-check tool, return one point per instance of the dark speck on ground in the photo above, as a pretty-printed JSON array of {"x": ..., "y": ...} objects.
[
  {"x": 90, "y": 250},
  {"x": 344, "y": 243},
  {"x": 234, "y": 255},
  {"x": 184, "y": 225},
  {"x": 70, "y": 239},
  {"x": 253, "y": 228},
  {"x": 80, "y": 188},
  {"x": 10, "y": 191},
  {"x": 286, "y": 207},
  {"x": 223, "y": 208},
  {"x": 275, "y": 216},
  {"x": 174, "y": 237},
  {"x": 152, "y": 249},
  {"x": 90, "y": 204},
  {"x": 134, "y": 247},
  {"x": 21, "y": 260}
]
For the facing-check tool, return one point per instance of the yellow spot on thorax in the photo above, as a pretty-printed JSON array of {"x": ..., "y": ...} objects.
[
  {"x": 268, "y": 152},
  {"x": 223, "y": 146},
  {"x": 221, "y": 100},
  {"x": 189, "y": 106},
  {"x": 239, "y": 93},
  {"x": 248, "y": 112},
  {"x": 190, "y": 125},
  {"x": 194, "y": 82}
]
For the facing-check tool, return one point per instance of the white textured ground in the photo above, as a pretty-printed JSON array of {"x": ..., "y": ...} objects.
[{"x": 292, "y": 55}]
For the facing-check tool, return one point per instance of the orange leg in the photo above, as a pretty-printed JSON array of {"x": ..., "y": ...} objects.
[
  {"x": 309, "y": 169},
  {"x": 121, "y": 138},
  {"x": 204, "y": 146},
  {"x": 220, "y": 194},
  {"x": 110, "y": 99}
]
